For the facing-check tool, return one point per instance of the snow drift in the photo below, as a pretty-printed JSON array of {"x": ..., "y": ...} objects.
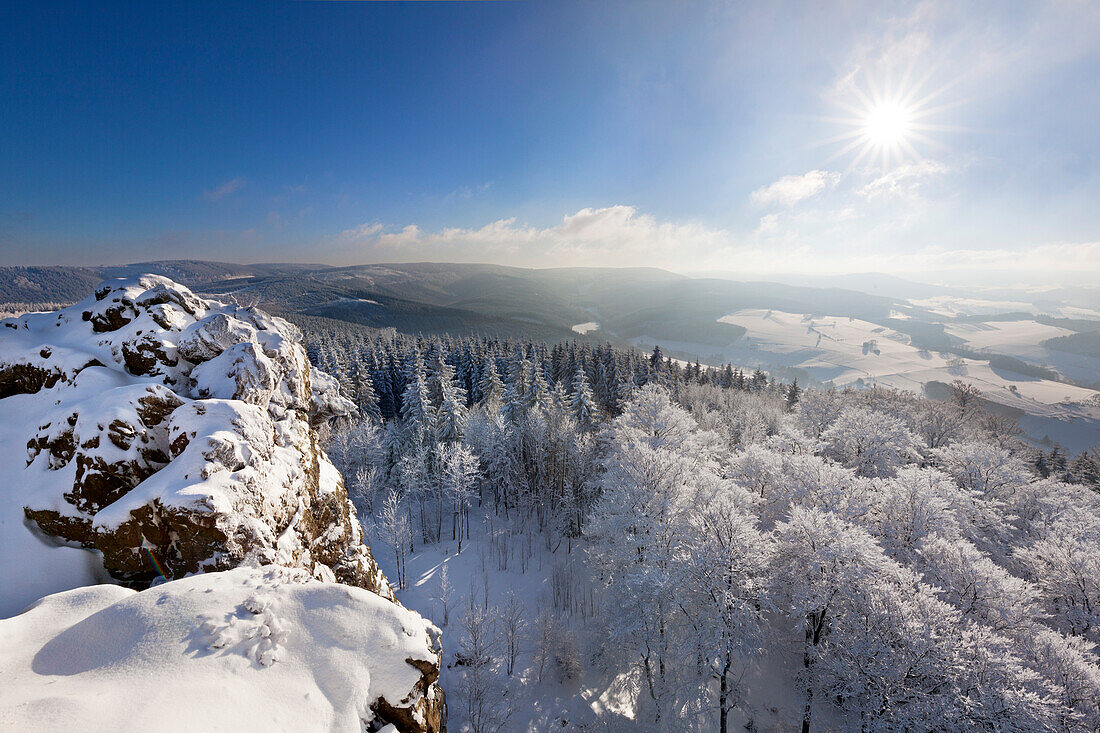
[{"x": 247, "y": 649}]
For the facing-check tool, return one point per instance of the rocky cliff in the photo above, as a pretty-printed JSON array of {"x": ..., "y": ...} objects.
[{"x": 177, "y": 435}]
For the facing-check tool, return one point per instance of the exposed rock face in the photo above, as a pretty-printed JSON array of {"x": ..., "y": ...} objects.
[{"x": 182, "y": 440}]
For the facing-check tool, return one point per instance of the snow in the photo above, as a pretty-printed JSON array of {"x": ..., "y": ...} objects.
[
  {"x": 1001, "y": 336},
  {"x": 583, "y": 328},
  {"x": 368, "y": 301},
  {"x": 594, "y": 699},
  {"x": 950, "y": 305},
  {"x": 850, "y": 351},
  {"x": 32, "y": 564},
  {"x": 1023, "y": 340},
  {"x": 244, "y": 458},
  {"x": 1070, "y": 311},
  {"x": 248, "y": 649},
  {"x": 148, "y": 423}
]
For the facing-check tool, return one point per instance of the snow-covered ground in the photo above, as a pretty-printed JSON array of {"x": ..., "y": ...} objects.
[
  {"x": 583, "y": 328},
  {"x": 248, "y": 649},
  {"x": 850, "y": 351},
  {"x": 950, "y": 305},
  {"x": 1029, "y": 301},
  {"x": 1023, "y": 340},
  {"x": 1002, "y": 336}
]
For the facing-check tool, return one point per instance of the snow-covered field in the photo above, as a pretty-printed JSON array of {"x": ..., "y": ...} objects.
[
  {"x": 1023, "y": 340},
  {"x": 849, "y": 351},
  {"x": 583, "y": 328},
  {"x": 1001, "y": 336},
  {"x": 950, "y": 305}
]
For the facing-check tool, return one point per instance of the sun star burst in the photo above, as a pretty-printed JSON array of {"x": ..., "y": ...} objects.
[{"x": 886, "y": 122}]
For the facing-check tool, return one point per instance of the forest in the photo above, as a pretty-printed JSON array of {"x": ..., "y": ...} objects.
[{"x": 700, "y": 548}]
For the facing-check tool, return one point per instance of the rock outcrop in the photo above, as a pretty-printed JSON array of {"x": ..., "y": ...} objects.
[{"x": 181, "y": 439}]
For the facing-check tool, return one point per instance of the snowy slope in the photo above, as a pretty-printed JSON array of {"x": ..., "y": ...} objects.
[
  {"x": 850, "y": 351},
  {"x": 244, "y": 650}
]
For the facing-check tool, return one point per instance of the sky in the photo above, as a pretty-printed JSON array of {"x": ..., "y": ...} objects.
[{"x": 939, "y": 141}]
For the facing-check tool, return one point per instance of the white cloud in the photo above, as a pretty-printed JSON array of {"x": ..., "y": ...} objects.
[
  {"x": 230, "y": 186},
  {"x": 617, "y": 236},
  {"x": 769, "y": 224},
  {"x": 611, "y": 236},
  {"x": 789, "y": 190},
  {"x": 465, "y": 193},
  {"x": 361, "y": 233},
  {"x": 904, "y": 180}
]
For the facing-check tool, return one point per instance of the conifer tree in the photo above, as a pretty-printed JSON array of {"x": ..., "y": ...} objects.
[
  {"x": 582, "y": 405},
  {"x": 417, "y": 412}
]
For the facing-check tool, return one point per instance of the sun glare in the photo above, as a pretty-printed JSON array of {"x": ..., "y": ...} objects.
[{"x": 887, "y": 124}]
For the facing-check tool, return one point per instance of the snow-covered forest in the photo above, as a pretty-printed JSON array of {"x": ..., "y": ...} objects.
[{"x": 618, "y": 540}]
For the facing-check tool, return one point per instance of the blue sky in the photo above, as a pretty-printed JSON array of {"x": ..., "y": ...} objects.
[{"x": 693, "y": 136}]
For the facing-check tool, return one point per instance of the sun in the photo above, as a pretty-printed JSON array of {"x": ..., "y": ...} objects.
[{"x": 887, "y": 124}]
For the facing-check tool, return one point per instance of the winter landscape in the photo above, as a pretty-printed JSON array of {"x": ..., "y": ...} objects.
[{"x": 409, "y": 368}]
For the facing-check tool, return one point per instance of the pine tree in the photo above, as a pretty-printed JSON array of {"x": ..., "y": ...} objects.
[
  {"x": 582, "y": 405},
  {"x": 451, "y": 417},
  {"x": 417, "y": 412},
  {"x": 793, "y": 393},
  {"x": 538, "y": 392},
  {"x": 491, "y": 388}
]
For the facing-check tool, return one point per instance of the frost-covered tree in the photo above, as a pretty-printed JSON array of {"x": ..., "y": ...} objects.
[
  {"x": 418, "y": 415},
  {"x": 984, "y": 468},
  {"x": 582, "y": 405},
  {"x": 636, "y": 550},
  {"x": 451, "y": 416},
  {"x": 1065, "y": 565},
  {"x": 917, "y": 504},
  {"x": 983, "y": 591},
  {"x": 816, "y": 411},
  {"x": 724, "y": 595},
  {"x": 460, "y": 471},
  {"x": 492, "y": 389},
  {"x": 818, "y": 561},
  {"x": 872, "y": 443},
  {"x": 484, "y": 699},
  {"x": 394, "y": 524}
]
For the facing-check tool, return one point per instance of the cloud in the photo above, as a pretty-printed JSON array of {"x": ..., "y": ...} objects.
[
  {"x": 225, "y": 189},
  {"x": 610, "y": 236},
  {"x": 904, "y": 180},
  {"x": 789, "y": 190},
  {"x": 616, "y": 236},
  {"x": 465, "y": 193},
  {"x": 360, "y": 234},
  {"x": 769, "y": 224}
]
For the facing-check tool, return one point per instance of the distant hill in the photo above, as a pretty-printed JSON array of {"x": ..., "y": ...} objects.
[
  {"x": 46, "y": 284},
  {"x": 1085, "y": 344},
  {"x": 627, "y": 303}
]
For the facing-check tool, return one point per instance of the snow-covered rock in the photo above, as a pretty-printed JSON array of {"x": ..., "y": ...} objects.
[
  {"x": 180, "y": 430},
  {"x": 249, "y": 649},
  {"x": 146, "y": 432}
]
